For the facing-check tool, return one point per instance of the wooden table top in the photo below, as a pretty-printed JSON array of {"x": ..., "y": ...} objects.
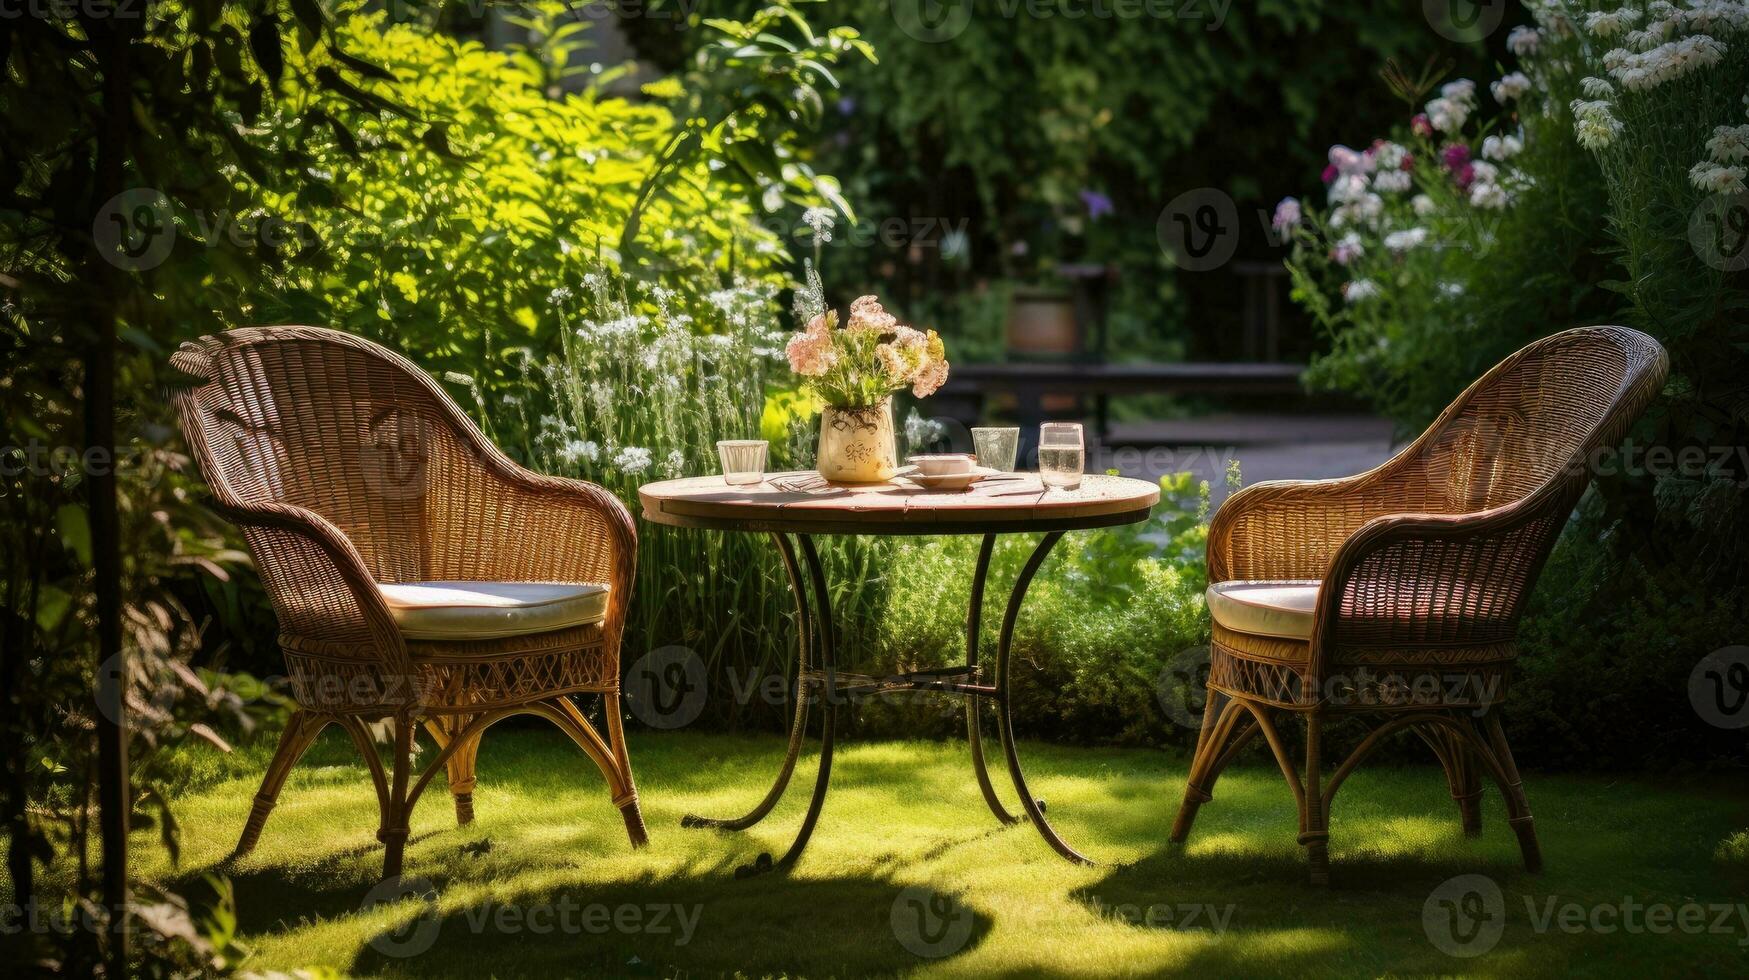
[{"x": 804, "y": 502}]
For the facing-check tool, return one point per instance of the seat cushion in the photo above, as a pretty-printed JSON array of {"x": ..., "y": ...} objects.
[
  {"x": 490, "y": 610},
  {"x": 1282, "y": 609}
]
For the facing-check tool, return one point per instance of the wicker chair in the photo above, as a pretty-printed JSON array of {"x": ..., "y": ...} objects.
[
  {"x": 1394, "y": 596},
  {"x": 401, "y": 551}
]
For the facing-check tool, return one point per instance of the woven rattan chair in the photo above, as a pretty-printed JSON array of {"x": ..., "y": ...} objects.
[
  {"x": 417, "y": 573},
  {"x": 1393, "y": 597}
]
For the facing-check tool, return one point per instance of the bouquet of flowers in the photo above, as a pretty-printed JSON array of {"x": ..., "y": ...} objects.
[
  {"x": 854, "y": 370},
  {"x": 873, "y": 356}
]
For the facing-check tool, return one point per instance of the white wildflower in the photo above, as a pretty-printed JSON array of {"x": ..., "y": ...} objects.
[
  {"x": 1502, "y": 147},
  {"x": 822, "y": 221},
  {"x": 1347, "y": 249},
  {"x": 1609, "y": 23},
  {"x": 1594, "y": 124},
  {"x": 1360, "y": 290},
  {"x": 1347, "y": 161},
  {"x": 1715, "y": 178},
  {"x": 578, "y": 451},
  {"x": 1510, "y": 87},
  {"x": 675, "y": 464},
  {"x": 1488, "y": 195},
  {"x": 631, "y": 459},
  {"x": 1423, "y": 205},
  {"x": 1523, "y": 41},
  {"x": 1729, "y": 144},
  {"x": 559, "y": 296},
  {"x": 1347, "y": 187},
  {"x": 1392, "y": 181},
  {"x": 1596, "y": 88},
  {"x": 1666, "y": 62},
  {"x": 1449, "y": 112},
  {"x": 1402, "y": 241}
]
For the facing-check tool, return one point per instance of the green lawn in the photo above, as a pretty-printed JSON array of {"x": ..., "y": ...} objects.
[{"x": 907, "y": 855}]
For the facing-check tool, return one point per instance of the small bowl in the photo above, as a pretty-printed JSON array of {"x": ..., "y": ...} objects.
[{"x": 943, "y": 464}]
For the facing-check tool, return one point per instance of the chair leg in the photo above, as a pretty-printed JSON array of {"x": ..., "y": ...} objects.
[
  {"x": 460, "y": 765},
  {"x": 616, "y": 741},
  {"x": 1512, "y": 788},
  {"x": 1215, "y": 746},
  {"x": 300, "y": 733},
  {"x": 609, "y": 756},
  {"x": 396, "y": 815},
  {"x": 1314, "y": 818}
]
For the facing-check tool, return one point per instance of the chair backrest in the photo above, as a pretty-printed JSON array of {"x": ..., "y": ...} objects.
[
  {"x": 326, "y": 421},
  {"x": 1538, "y": 420}
]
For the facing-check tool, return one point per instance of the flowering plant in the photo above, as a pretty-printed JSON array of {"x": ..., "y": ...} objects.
[{"x": 869, "y": 358}]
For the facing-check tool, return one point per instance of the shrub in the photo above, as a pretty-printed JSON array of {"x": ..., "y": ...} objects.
[
  {"x": 1109, "y": 611},
  {"x": 1598, "y": 179}
]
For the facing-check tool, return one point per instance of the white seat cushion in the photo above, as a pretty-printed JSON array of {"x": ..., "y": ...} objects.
[
  {"x": 1282, "y": 609},
  {"x": 491, "y": 610}
]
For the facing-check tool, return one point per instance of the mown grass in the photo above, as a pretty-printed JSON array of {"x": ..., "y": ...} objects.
[{"x": 905, "y": 823}]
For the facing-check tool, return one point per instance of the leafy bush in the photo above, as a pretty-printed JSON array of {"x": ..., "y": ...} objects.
[
  {"x": 449, "y": 244},
  {"x": 1108, "y": 613},
  {"x": 1026, "y": 136},
  {"x": 1619, "y": 159}
]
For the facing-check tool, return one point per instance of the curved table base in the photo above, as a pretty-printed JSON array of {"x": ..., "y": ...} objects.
[{"x": 816, "y": 632}]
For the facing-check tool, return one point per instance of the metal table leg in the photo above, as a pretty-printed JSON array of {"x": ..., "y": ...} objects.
[
  {"x": 974, "y": 735},
  {"x": 825, "y": 634},
  {"x": 818, "y": 630},
  {"x": 1035, "y": 809},
  {"x": 799, "y": 726}
]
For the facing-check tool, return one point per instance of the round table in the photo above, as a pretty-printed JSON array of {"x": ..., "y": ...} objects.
[{"x": 803, "y": 504}]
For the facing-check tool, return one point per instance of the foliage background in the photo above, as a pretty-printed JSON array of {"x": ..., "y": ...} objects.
[{"x": 1649, "y": 576}]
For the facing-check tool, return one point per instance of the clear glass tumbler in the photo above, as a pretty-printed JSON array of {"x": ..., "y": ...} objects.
[
  {"x": 1061, "y": 455},
  {"x": 743, "y": 460},
  {"x": 996, "y": 446}
]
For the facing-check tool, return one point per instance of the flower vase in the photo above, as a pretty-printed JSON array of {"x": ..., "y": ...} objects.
[{"x": 857, "y": 445}]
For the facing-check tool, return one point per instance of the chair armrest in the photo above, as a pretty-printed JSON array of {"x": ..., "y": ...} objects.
[
  {"x": 562, "y": 530},
  {"x": 1439, "y": 579},
  {"x": 317, "y": 580}
]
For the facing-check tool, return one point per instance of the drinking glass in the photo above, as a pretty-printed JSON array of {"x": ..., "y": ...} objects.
[
  {"x": 1060, "y": 455},
  {"x": 996, "y": 446},
  {"x": 743, "y": 460}
]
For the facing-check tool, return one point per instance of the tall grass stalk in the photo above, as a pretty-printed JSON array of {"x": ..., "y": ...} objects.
[{"x": 641, "y": 391}]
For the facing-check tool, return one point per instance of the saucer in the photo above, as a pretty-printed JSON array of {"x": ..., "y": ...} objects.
[{"x": 952, "y": 481}]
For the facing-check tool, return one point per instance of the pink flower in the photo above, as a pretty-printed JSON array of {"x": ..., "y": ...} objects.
[
  {"x": 930, "y": 379},
  {"x": 1408, "y": 162},
  {"x": 1455, "y": 155},
  {"x": 1287, "y": 214},
  {"x": 811, "y": 352},
  {"x": 1420, "y": 126},
  {"x": 1330, "y": 173},
  {"x": 868, "y": 314}
]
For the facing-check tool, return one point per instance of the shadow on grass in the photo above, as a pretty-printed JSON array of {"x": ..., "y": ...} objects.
[{"x": 706, "y": 924}]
